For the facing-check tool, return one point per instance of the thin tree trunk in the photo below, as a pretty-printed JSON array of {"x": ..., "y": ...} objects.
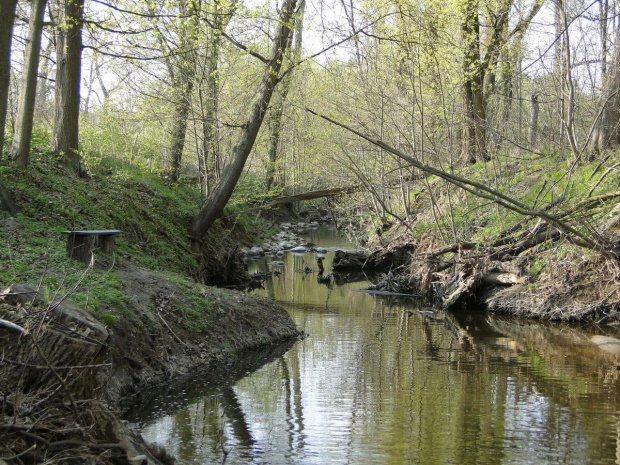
[
  {"x": 20, "y": 149},
  {"x": 570, "y": 88},
  {"x": 65, "y": 139},
  {"x": 534, "y": 119},
  {"x": 604, "y": 16},
  {"x": 210, "y": 107},
  {"x": 182, "y": 73},
  {"x": 179, "y": 127},
  {"x": 214, "y": 205},
  {"x": 558, "y": 67},
  {"x": 7, "y": 18},
  {"x": 607, "y": 129},
  {"x": 44, "y": 72},
  {"x": 274, "y": 170},
  {"x": 473, "y": 87}
]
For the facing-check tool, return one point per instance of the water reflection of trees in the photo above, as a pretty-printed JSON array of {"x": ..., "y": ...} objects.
[{"x": 377, "y": 382}]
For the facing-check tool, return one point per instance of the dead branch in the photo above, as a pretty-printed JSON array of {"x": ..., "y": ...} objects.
[
  {"x": 603, "y": 176},
  {"x": 480, "y": 190},
  {"x": 13, "y": 326},
  {"x": 170, "y": 329},
  {"x": 449, "y": 248}
]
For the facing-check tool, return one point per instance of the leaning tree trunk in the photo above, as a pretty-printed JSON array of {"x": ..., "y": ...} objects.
[
  {"x": 7, "y": 18},
  {"x": 20, "y": 149},
  {"x": 65, "y": 139},
  {"x": 214, "y": 205},
  {"x": 607, "y": 128}
]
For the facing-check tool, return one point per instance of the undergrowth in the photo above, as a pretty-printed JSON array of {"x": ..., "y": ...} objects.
[{"x": 152, "y": 215}]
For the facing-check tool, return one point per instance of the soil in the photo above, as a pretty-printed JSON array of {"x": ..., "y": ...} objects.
[
  {"x": 156, "y": 344},
  {"x": 75, "y": 421}
]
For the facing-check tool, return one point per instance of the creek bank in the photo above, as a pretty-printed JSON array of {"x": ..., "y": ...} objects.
[
  {"x": 499, "y": 279},
  {"x": 65, "y": 368}
]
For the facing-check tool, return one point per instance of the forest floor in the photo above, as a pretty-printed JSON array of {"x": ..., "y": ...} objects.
[{"x": 77, "y": 341}]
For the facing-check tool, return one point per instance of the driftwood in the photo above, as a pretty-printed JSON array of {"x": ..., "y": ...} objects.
[{"x": 378, "y": 261}]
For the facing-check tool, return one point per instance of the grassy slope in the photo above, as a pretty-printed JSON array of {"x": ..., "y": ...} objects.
[{"x": 154, "y": 219}]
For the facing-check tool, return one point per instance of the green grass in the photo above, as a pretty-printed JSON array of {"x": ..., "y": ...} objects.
[{"x": 153, "y": 216}]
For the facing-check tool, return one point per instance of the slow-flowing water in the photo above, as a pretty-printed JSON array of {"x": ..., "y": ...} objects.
[{"x": 382, "y": 380}]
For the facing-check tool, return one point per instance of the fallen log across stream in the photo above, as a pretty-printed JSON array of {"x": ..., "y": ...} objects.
[
  {"x": 318, "y": 194},
  {"x": 482, "y": 263}
]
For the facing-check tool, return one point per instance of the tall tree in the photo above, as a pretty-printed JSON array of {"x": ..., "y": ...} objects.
[
  {"x": 209, "y": 91},
  {"x": 214, "y": 204},
  {"x": 607, "y": 127},
  {"x": 274, "y": 170},
  {"x": 20, "y": 150},
  {"x": 473, "y": 85},
  {"x": 65, "y": 138},
  {"x": 7, "y": 18},
  {"x": 481, "y": 69},
  {"x": 182, "y": 73}
]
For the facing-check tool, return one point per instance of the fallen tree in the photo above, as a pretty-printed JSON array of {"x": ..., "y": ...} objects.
[
  {"x": 459, "y": 273},
  {"x": 587, "y": 239},
  {"x": 318, "y": 194}
]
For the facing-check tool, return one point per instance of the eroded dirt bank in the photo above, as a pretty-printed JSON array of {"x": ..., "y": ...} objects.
[{"x": 64, "y": 375}]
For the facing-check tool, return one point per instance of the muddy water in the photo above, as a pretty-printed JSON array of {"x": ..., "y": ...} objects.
[{"x": 379, "y": 382}]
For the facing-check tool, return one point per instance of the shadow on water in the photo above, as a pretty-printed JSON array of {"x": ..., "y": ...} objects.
[
  {"x": 387, "y": 380},
  {"x": 167, "y": 398}
]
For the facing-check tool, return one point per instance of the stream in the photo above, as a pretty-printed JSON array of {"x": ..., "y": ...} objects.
[{"x": 383, "y": 380}]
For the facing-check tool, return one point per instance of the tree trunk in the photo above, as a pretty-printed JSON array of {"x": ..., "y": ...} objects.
[
  {"x": 534, "y": 119},
  {"x": 214, "y": 205},
  {"x": 20, "y": 149},
  {"x": 182, "y": 73},
  {"x": 6, "y": 202},
  {"x": 7, "y": 18},
  {"x": 607, "y": 129},
  {"x": 473, "y": 87},
  {"x": 274, "y": 170},
  {"x": 179, "y": 128},
  {"x": 65, "y": 139},
  {"x": 211, "y": 168},
  {"x": 44, "y": 74}
]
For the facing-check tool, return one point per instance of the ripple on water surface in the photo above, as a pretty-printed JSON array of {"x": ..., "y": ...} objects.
[{"x": 378, "y": 382}]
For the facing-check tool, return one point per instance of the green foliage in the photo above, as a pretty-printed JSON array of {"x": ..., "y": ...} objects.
[{"x": 152, "y": 216}]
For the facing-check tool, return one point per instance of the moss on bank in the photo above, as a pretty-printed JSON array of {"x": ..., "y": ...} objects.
[{"x": 152, "y": 215}]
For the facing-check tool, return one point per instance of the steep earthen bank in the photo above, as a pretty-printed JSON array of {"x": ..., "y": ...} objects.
[
  {"x": 64, "y": 374},
  {"x": 581, "y": 287}
]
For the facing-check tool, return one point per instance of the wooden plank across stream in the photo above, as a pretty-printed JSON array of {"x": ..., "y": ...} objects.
[{"x": 80, "y": 243}]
